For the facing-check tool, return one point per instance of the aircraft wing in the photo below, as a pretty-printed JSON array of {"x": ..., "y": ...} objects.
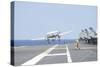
[
  {"x": 51, "y": 32},
  {"x": 44, "y": 36},
  {"x": 64, "y": 33}
]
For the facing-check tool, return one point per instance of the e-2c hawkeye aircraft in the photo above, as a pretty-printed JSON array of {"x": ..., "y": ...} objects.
[{"x": 54, "y": 35}]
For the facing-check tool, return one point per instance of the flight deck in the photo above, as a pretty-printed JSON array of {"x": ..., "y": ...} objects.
[{"x": 54, "y": 54}]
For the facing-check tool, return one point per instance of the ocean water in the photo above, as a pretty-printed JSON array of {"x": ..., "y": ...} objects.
[{"x": 39, "y": 42}]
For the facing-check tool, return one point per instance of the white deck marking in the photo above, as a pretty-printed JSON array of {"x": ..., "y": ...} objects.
[
  {"x": 59, "y": 48},
  {"x": 88, "y": 48},
  {"x": 56, "y": 54},
  {"x": 39, "y": 57},
  {"x": 68, "y": 55}
]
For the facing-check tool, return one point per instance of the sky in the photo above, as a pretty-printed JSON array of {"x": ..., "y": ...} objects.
[{"x": 33, "y": 20}]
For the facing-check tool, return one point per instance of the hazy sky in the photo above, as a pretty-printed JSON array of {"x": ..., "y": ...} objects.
[{"x": 33, "y": 20}]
